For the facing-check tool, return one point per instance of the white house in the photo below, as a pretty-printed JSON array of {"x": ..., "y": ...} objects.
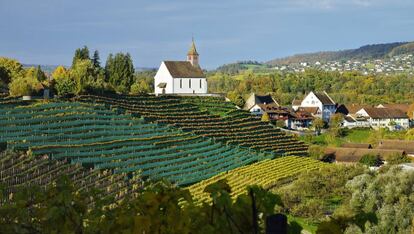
[
  {"x": 181, "y": 77},
  {"x": 321, "y": 100},
  {"x": 257, "y": 104},
  {"x": 385, "y": 118},
  {"x": 352, "y": 121}
]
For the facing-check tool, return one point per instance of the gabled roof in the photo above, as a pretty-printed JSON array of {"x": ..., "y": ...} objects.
[
  {"x": 324, "y": 98},
  {"x": 342, "y": 109},
  {"x": 385, "y": 113},
  {"x": 349, "y": 119},
  {"x": 354, "y": 108},
  {"x": 296, "y": 102},
  {"x": 312, "y": 110},
  {"x": 183, "y": 69},
  {"x": 402, "y": 107},
  {"x": 255, "y": 99}
]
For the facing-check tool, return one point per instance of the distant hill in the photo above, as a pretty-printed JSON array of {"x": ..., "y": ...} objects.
[
  {"x": 233, "y": 68},
  {"x": 46, "y": 68},
  {"x": 375, "y": 51}
]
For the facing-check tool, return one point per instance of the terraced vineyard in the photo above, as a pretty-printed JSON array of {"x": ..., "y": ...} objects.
[
  {"x": 267, "y": 174},
  {"x": 101, "y": 138},
  {"x": 19, "y": 169},
  {"x": 234, "y": 127}
]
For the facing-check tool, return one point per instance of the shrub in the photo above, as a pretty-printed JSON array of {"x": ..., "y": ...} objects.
[
  {"x": 265, "y": 117},
  {"x": 370, "y": 160},
  {"x": 396, "y": 158}
]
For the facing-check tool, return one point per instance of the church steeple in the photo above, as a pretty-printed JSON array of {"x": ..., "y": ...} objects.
[{"x": 192, "y": 55}]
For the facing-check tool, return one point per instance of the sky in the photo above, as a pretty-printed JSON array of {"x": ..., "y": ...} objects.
[{"x": 47, "y": 32}]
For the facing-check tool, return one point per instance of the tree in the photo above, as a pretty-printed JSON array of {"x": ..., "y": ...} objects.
[
  {"x": 60, "y": 72},
  {"x": 335, "y": 125},
  {"x": 239, "y": 101},
  {"x": 80, "y": 54},
  {"x": 119, "y": 71},
  {"x": 39, "y": 74},
  {"x": 65, "y": 85},
  {"x": 83, "y": 73},
  {"x": 384, "y": 199},
  {"x": 265, "y": 117},
  {"x": 26, "y": 85},
  {"x": 96, "y": 60},
  {"x": 140, "y": 87},
  {"x": 10, "y": 69},
  {"x": 318, "y": 124}
]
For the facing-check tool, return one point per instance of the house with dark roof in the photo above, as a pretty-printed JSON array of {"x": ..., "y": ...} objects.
[
  {"x": 321, "y": 100},
  {"x": 181, "y": 77},
  {"x": 393, "y": 119},
  {"x": 258, "y": 104}
]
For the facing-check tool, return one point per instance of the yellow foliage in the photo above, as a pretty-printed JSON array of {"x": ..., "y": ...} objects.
[{"x": 60, "y": 72}]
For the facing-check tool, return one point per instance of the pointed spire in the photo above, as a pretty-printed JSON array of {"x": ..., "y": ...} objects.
[{"x": 192, "y": 50}]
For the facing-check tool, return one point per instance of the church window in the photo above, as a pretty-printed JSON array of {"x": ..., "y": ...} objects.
[
  {"x": 181, "y": 83},
  {"x": 200, "y": 83},
  {"x": 189, "y": 83}
]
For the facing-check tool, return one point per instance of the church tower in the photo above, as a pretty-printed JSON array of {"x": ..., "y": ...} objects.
[{"x": 192, "y": 55}]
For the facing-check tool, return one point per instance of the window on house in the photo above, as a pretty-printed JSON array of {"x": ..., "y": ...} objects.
[
  {"x": 189, "y": 83},
  {"x": 200, "y": 83},
  {"x": 181, "y": 83}
]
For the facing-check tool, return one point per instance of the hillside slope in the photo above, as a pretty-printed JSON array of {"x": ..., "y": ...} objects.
[{"x": 375, "y": 51}]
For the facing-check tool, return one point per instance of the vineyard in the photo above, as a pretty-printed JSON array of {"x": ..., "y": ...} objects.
[
  {"x": 98, "y": 137},
  {"x": 267, "y": 173},
  {"x": 19, "y": 169},
  {"x": 208, "y": 117}
]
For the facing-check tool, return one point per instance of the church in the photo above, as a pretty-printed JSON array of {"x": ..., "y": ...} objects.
[{"x": 181, "y": 77}]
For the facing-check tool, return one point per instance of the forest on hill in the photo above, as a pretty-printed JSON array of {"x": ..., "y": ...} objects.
[{"x": 375, "y": 51}]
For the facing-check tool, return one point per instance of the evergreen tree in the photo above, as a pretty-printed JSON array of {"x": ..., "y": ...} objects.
[
  {"x": 119, "y": 71},
  {"x": 96, "y": 60},
  {"x": 39, "y": 74},
  {"x": 81, "y": 54}
]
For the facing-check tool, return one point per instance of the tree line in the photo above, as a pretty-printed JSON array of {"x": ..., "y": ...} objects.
[
  {"x": 85, "y": 75},
  {"x": 347, "y": 87}
]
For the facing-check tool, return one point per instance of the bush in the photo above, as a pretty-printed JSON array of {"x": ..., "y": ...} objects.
[
  {"x": 24, "y": 86},
  {"x": 396, "y": 158},
  {"x": 265, "y": 117},
  {"x": 371, "y": 160}
]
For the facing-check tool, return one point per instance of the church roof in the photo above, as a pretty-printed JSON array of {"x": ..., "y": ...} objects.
[
  {"x": 192, "y": 50},
  {"x": 183, "y": 69}
]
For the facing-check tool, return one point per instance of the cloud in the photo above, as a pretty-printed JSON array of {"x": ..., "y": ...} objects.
[{"x": 337, "y": 4}]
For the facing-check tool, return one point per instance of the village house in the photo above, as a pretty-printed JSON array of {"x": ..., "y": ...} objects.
[
  {"x": 258, "y": 104},
  {"x": 181, "y": 77},
  {"x": 322, "y": 101},
  {"x": 355, "y": 121},
  {"x": 392, "y": 119}
]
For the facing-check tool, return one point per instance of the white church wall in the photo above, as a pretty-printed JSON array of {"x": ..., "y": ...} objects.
[
  {"x": 163, "y": 76},
  {"x": 182, "y": 85}
]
